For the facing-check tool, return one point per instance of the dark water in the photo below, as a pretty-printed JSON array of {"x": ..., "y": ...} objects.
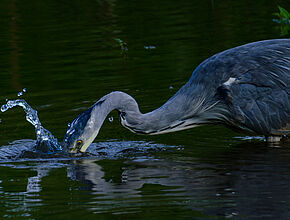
[{"x": 66, "y": 54}]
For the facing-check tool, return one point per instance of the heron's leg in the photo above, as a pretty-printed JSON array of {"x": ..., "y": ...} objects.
[{"x": 274, "y": 139}]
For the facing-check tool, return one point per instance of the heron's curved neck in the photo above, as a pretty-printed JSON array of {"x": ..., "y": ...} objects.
[
  {"x": 130, "y": 115},
  {"x": 172, "y": 116},
  {"x": 124, "y": 103}
]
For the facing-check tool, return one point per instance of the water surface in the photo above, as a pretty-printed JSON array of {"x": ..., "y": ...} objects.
[{"x": 66, "y": 55}]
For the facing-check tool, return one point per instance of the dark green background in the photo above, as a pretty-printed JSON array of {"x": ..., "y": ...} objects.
[{"x": 66, "y": 56}]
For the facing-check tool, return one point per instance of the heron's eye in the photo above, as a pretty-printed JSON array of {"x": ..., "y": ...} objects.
[{"x": 79, "y": 143}]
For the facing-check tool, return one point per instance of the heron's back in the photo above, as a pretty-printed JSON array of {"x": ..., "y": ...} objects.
[{"x": 253, "y": 81}]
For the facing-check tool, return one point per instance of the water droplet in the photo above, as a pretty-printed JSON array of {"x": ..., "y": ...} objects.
[
  {"x": 111, "y": 119},
  {"x": 22, "y": 92},
  {"x": 4, "y": 108},
  {"x": 170, "y": 87}
]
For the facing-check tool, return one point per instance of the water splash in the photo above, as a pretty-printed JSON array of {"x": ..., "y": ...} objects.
[{"x": 46, "y": 142}]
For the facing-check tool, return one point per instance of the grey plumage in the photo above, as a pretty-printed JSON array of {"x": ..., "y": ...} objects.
[
  {"x": 258, "y": 99},
  {"x": 246, "y": 87}
]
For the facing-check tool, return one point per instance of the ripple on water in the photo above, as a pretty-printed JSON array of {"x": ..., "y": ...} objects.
[{"x": 24, "y": 150}]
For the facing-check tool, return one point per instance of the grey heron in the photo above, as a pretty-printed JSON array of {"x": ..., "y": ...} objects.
[{"x": 245, "y": 88}]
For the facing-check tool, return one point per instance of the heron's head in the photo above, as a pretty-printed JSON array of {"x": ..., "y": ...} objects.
[{"x": 80, "y": 133}]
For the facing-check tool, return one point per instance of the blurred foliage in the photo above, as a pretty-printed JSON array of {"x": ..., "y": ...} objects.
[
  {"x": 123, "y": 45},
  {"x": 284, "y": 20}
]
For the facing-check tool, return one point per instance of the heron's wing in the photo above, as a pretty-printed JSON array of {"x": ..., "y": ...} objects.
[
  {"x": 264, "y": 107},
  {"x": 256, "y": 83},
  {"x": 238, "y": 61}
]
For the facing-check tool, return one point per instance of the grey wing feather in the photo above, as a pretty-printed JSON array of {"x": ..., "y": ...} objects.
[{"x": 261, "y": 86}]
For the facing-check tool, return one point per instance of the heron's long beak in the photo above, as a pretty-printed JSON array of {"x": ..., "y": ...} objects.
[
  {"x": 81, "y": 129},
  {"x": 73, "y": 150}
]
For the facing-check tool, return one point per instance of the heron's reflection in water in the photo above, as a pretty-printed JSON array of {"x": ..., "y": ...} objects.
[{"x": 248, "y": 179}]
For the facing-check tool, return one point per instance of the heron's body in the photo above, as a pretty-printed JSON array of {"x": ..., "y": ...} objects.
[{"x": 246, "y": 87}]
